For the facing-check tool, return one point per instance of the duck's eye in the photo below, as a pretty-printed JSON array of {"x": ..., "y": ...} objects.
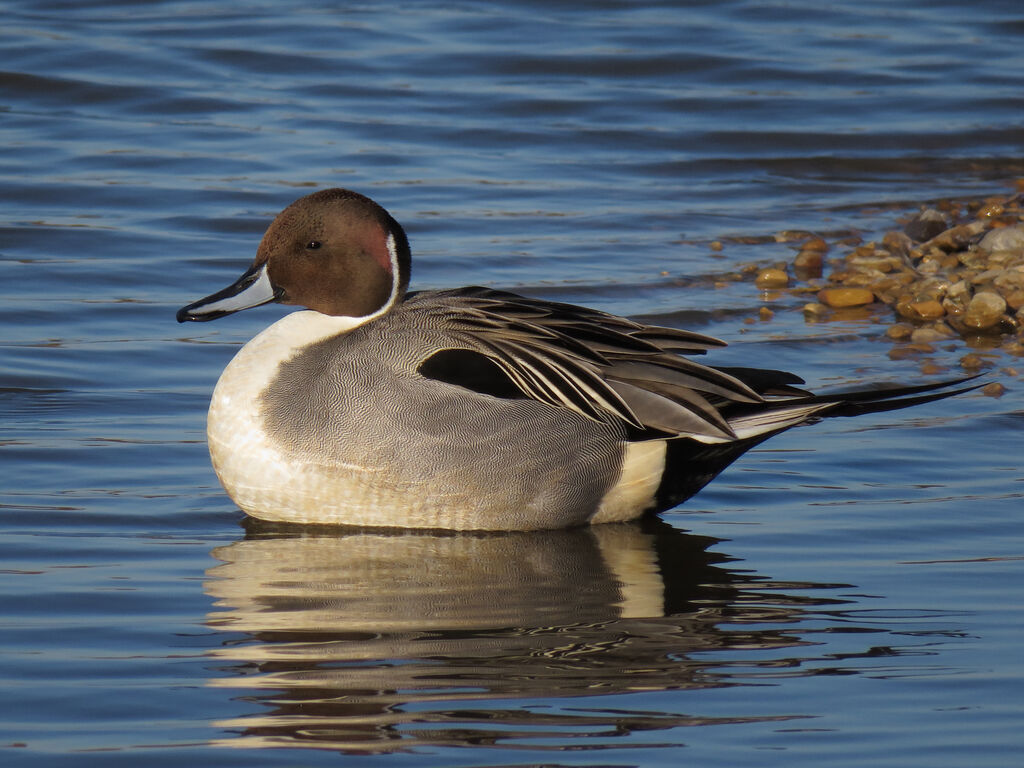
[{"x": 312, "y": 245}]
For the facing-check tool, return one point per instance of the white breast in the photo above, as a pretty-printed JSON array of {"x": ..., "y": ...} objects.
[{"x": 261, "y": 479}]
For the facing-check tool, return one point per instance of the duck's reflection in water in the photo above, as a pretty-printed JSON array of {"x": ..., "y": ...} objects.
[{"x": 370, "y": 641}]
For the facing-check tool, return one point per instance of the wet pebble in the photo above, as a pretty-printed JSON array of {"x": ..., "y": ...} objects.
[
  {"x": 956, "y": 269},
  {"x": 985, "y": 310},
  {"x": 772, "y": 278},
  {"x": 1004, "y": 239},
  {"x": 900, "y": 331},
  {"x": 815, "y": 311},
  {"x": 845, "y": 297},
  {"x": 927, "y": 335},
  {"x": 956, "y": 237},
  {"x": 930, "y": 309},
  {"x": 910, "y": 351},
  {"x": 993, "y": 389},
  {"x": 973, "y": 362},
  {"x": 809, "y": 263},
  {"x": 926, "y": 225}
]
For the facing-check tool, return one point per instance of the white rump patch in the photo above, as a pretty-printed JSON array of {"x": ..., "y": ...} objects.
[{"x": 642, "y": 467}]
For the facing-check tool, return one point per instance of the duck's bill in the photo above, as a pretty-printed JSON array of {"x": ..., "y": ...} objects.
[{"x": 250, "y": 290}]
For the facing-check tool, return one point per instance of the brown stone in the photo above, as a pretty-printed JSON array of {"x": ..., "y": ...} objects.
[
  {"x": 897, "y": 243},
  {"x": 791, "y": 235},
  {"x": 904, "y": 307},
  {"x": 808, "y": 259},
  {"x": 910, "y": 350},
  {"x": 815, "y": 311},
  {"x": 957, "y": 237},
  {"x": 972, "y": 362},
  {"x": 928, "y": 310},
  {"x": 772, "y": 278},
  {"x": 815, "y": 244},
  {"x": 905, "y": 278},
  {"x": 985, "y": 310},
  {"x": 1014, "y": 299},
  {"x": 899, "y": 332},
  {"x": 927, "y": 336},
  {"x": 845, "y": 297},
  {"x": 991, "y": 211},
  {"x": 876, "y": 260},
  {"x": 863, "y": 279},
  {"x": 993, "y": 389}
]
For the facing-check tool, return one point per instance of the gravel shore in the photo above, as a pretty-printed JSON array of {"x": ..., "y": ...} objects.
[{"x": 950, "y": 279}]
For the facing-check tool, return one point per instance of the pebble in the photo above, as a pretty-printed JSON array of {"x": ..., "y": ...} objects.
[
  {"x": 957, "y": 237},
  {"x": 993, "y": 389},
  {"x": 985, "y": 310},
  {"x": 926, "y": 335},
  {"x": 900, "y": 331},
  {"x": 991, "y": 211},
  {"x": 926, "y": 225},
  {"x": 910, "y": 350},
  {"x": 1014, "y": 299},
  {"x": 772, "y": 278},
  {"x": 815, "y": 311},
  {"x": 928, "y": 310},
  {"x": 972, "y": 362},
  {"x": 956, "y": 269},
  {"x": 845, "y": 297},
  {"x": 808, "y": 263},
  {"x": 1004, "y": 239}
]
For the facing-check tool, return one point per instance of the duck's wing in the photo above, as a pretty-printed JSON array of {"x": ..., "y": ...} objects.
[
  {"x": 615, "y": 370},
  {"x": 604, "y": 367}
]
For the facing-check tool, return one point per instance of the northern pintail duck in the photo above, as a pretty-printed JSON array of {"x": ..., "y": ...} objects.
[{"x": 468, "y": 408}]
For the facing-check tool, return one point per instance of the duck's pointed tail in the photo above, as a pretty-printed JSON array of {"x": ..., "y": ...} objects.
[
  {"x": 859, "y": 401},
  {"x": 692, "y": 463},
  {"x": 751, "y": 420}
]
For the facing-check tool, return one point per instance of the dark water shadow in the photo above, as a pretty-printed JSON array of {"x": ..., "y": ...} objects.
[{"x": 370, "y": 641}]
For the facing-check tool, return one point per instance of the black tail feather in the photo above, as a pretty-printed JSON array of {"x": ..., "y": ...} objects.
[
  {"x": 888, "y": 393},
  {"x": 892, "y": 402},
  {"x": 690, "y": 465},
  {"x": 855, "y": 402}
]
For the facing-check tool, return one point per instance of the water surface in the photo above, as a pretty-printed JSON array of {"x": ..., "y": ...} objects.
[{"x": 848, "y": 594}]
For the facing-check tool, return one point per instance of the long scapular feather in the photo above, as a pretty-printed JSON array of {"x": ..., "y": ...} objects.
[
  {"x": 667, "y": 415},
  {"x": 548, "y": 379}
]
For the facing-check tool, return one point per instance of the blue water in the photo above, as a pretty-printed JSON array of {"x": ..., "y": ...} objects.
[{"x": 847, "y": 594}]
